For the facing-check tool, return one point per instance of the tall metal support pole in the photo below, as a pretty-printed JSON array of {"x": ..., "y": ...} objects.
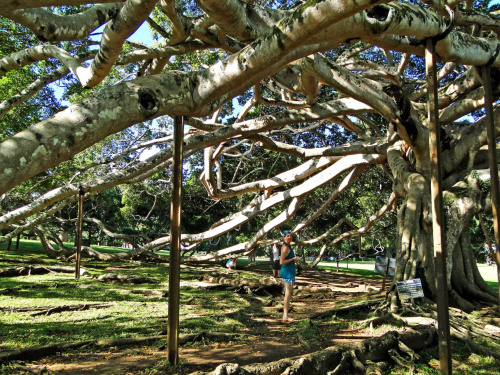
[
  {"x": 175, "y": 244},
  {"x": 79, "y": 233},
  {"x": 437, "y": 212},
  {"x": 492, "y": 158}
]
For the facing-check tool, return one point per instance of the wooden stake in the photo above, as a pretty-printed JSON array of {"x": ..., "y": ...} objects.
[
  {"x": 492, "y": 158},
  {"x": 437, "y": 213},
  {"x": 175, "y": 244},
  {"x": 79, "y": 233}
]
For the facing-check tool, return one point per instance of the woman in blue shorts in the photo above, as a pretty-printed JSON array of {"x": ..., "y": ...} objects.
[{"x": 287, "y": 261}]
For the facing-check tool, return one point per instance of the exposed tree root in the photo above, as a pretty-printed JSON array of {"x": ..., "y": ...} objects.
[
  {"x": 373, "y": 356},
  {"x": 345, "y": 309},
  {"x": 376, "y": 368},
  {"x": 58, "y": 309},
  {"x": 20, "y": 369},
  {"x": 338, "y": 359},
  {"x": 38, "y": 270},
  {"x": 300, "y": 334},
  {"x": 47, "y": 310},
  {"x": 38, "y": 286},
  {"x": 400, "y": 360},
  {"x": 464, "y": 327},
  {"x": 38, "y": 352},
  {"x": 388, "y": 318},
  {"x": 126, "y": 279},
  {"x": 343, "y": 365},
  {"x": 476, "y": 348}
]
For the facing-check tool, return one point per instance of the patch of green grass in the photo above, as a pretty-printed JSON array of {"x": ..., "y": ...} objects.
[
  {"x": 487, "y": 343},
  {"x": 34, "y": 246},
  {"x": 463, "y": 362},
  {"x": 141, "y": 310},
  {"x": 211, "y": 323},
  {"x": 133, "y": 310},
  {"x": 130, "y": 319},
  {"x": 308, "y": 329},
  {"x": 203, "y": 323},
  {"x": 164, "y": 367},
  {"x": 493, "y": 284},
  {"x": 25, "y": 246},
  {"x": 60, "y": 289}
]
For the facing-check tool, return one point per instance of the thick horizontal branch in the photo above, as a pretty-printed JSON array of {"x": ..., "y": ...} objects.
[{"x": 24, "y": 4}]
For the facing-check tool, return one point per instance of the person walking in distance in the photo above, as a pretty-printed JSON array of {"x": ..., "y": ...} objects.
[
  {"x": 287, "y": 261},
  {"x": 275, "y": 258}
]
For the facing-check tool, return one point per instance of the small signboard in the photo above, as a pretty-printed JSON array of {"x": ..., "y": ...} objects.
[
  {"x": 381, "y": 266},
  {"x": 410, "y": 289}
]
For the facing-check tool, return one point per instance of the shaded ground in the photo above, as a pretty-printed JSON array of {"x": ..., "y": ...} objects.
[{"x": 265, "y": 337}]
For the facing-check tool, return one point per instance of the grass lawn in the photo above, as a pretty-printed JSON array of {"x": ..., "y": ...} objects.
[{"x": 115, "y": 311}]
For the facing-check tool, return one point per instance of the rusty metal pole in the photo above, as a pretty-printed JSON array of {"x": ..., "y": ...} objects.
[
  {"x": 492, "y": 158},
  {"x": 175, "y": 244},
  {"x": 79, "y": 233},
  {"x": 437, "y": 212}
]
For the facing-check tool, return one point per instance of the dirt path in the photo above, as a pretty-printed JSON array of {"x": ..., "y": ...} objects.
[{"x": 265, "y": 338}]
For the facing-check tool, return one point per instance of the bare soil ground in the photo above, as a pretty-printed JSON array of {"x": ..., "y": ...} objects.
[{"x": 265, "y": 339}]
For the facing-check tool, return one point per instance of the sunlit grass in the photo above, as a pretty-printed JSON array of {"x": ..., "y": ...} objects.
[
  {"x": 163, "y": 367},
  {"x": 128, "y": 311},
  {"x": 493, "y": 284},
  {"x": 308, "y": 329},
  {"x": 128, "y": 315},
  {"x": 126, "y": 319},
  {"x": 141, "y": 310},
  {"x": 463, "y": 362}
]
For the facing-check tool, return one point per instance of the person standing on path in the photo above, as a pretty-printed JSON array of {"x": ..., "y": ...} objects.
[
  {"x": 275, "y": 258},
  {"x": 287, "y": 261}
]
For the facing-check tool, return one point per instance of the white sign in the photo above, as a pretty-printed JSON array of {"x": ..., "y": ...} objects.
[
  {"x": 381, "y": 267},
  {"x": 410, "y": 289}
]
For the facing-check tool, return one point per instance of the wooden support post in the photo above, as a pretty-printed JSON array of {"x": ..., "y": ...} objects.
[
  {"x": 492, "y": 158},
  {"x": 386, "y": 269},
  {"x": 79, "y": 233},
  {"x": 437, "y": 212},
  {"x": 175, "y": 244}
]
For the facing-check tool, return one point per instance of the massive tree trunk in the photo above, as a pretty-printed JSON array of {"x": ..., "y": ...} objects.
[
  {"x": 467, "y": 289},
  {"x": 415, "y": 259}
]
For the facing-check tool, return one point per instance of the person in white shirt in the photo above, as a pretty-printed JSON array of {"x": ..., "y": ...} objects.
[
  {"x": 275, "y": 261},
  {"x": 231, "y": 263}
]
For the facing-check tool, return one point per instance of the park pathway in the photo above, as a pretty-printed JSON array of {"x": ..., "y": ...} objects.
[{"x": 489, "y": 273}]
